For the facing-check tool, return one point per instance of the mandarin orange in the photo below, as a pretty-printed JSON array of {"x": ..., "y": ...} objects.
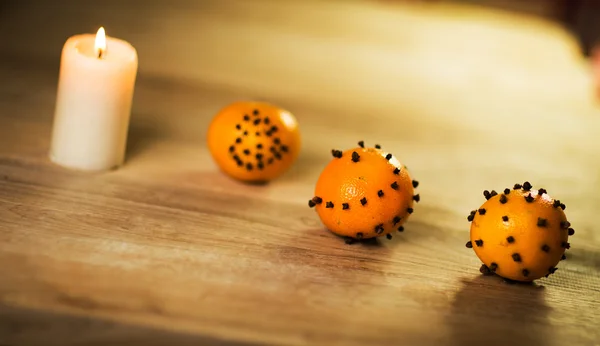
[
  {"x": 520, "y": 234},
  {"x": 364, "y": 193},
  {"x": 254, "y": 141}
]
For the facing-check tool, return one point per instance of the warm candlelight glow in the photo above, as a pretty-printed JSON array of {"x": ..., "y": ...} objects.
[
  {"x": 93, "y": 102},
  {"x": 100, "y": 42}
]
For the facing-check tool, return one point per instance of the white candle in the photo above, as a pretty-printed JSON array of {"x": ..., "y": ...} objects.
[{"x": 93, "y": 104}]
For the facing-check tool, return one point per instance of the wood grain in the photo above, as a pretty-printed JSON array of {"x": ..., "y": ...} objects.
[{"x": 167, "y": 250}]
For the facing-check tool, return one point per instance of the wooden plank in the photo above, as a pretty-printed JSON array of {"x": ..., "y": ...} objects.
[{"x": 168, "y": 250}]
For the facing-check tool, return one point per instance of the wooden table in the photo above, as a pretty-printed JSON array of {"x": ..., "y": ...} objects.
[{"x": 168, "y": 251}]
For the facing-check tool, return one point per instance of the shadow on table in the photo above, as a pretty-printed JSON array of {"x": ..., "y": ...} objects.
[
  {"x": 19, "y": 326},
  {"x": 140, "y": 137},
  {"x": 585, "y": 257},
  {"x": 488, "y": 311}
]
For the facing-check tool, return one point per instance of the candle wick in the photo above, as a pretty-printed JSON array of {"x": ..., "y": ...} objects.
[{"x": 100, "y": 53}]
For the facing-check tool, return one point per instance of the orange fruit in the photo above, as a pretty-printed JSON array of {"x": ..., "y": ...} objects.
[
  {"x": 254, "y": 141},
  {"x": 364, "y": 193},
  {"x": 520, "y": 234}
]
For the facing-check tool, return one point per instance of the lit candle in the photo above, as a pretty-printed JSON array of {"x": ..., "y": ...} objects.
[{"x": 93, "y": 104}]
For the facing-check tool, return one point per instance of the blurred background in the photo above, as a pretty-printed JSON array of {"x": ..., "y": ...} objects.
[
  {"x": 326, "y": 51},
  {"x": 430, "y": 75}
]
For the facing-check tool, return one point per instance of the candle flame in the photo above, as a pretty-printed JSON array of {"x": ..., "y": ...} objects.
[{"x": 100, "y": 42}]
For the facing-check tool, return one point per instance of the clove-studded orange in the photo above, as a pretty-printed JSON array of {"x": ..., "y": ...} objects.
[
  {"x": 520, "y": 234},
  {"x": 254, "y": 141},
  {"x": 364, "y": 193}
]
